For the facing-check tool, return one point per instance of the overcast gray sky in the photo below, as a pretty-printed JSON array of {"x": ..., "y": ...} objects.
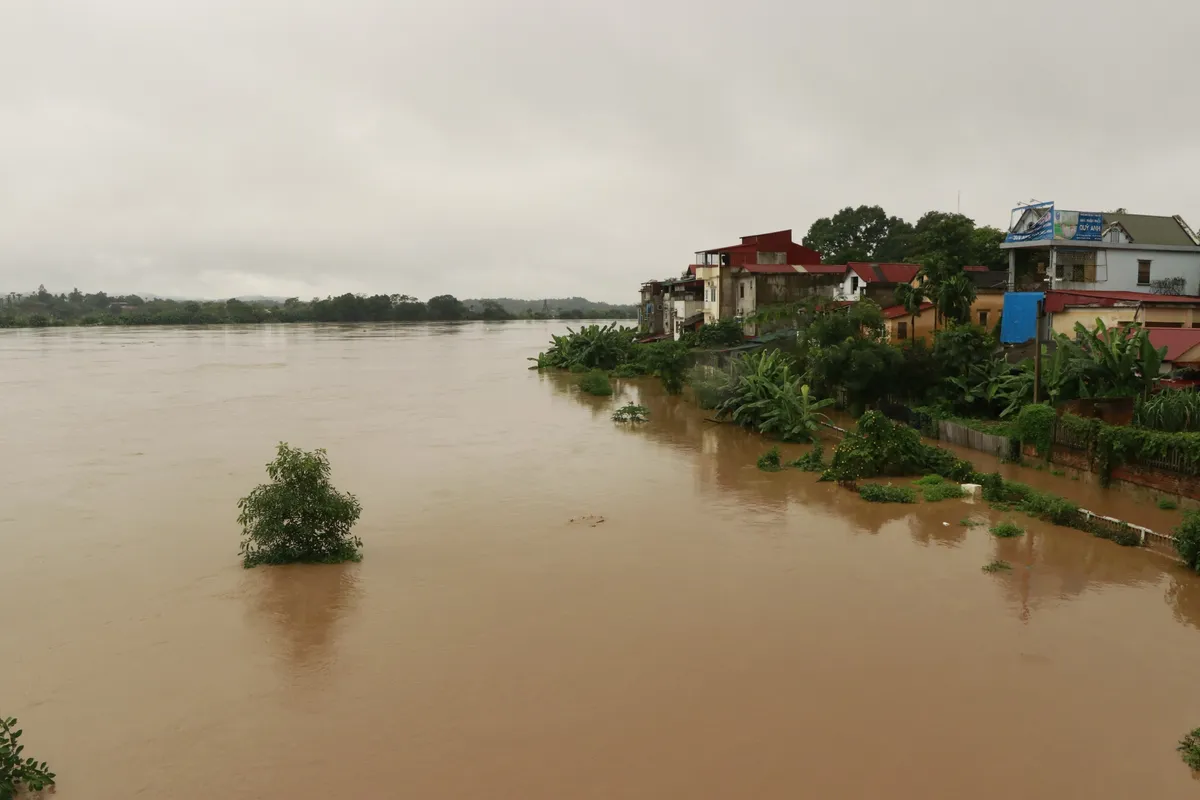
[{"x": 554, "y": 147}]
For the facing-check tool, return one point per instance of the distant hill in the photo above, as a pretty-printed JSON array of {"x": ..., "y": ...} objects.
[{"x": 521, "y": 307}]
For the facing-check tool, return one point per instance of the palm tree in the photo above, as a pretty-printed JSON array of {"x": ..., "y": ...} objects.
[
  {"x": 911, "y": 297},
  {"x": 954, "y": 297}
]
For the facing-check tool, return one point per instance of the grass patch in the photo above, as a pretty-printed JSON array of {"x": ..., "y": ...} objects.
[
  {"x": 875, "y": 493},
  {"x": 770, "y": 461},
  {"x": 997, "y": 566},
  {"x": 929, "y": 480},
  {"x": 596, "y": 383},
  {"x": 1189, "y": 749},
  {"x": 1007, "y": 530},
  {"x": 943, "y": 491},
  {"x": 1167, "y": 504}
]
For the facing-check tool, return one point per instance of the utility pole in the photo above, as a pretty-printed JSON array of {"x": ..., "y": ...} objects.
[{"x": 1037, "y": 350}]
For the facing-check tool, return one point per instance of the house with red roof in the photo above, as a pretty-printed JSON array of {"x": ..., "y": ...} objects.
[
  {"x": 763, "y": 269},
  {"x": 1065, "y": 307}
]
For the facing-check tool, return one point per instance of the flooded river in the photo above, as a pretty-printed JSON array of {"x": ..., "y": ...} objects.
[{"x": 721, "y": 633}]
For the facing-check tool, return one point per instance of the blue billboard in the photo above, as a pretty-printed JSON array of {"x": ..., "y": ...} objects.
[{"x": 1043, "y": 222}]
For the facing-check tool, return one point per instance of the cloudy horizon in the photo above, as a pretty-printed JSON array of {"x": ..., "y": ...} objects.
[{"x": 536, "y": 148}]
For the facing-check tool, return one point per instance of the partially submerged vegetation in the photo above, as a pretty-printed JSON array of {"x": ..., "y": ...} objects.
[
  {"x": 1187, "y": 540},
  {"x": 1189, "y": 749},
  {"x": 596, "y": 383},
  {"x": 942, "y": 491},
  {"x": 17, "y": 774},
  {"x": 631, "y": 412},
  {"x": 812, "y": 461},
  {"x": 770, "y": 461},
  {"x": 997, "y": 566},
  {"x": 298, "y": 517},
  {"x": 1007, "y": 530},
  {"x": 886, "y": 493}
]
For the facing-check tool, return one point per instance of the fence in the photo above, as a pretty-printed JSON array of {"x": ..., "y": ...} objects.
[{"x": 963, "y": 436}]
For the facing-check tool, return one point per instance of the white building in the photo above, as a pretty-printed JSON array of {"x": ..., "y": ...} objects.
[{"x": 1115, "y": 251}]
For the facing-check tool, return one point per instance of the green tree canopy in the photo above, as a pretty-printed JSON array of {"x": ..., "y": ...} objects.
[{"x": 865, "y": 233}]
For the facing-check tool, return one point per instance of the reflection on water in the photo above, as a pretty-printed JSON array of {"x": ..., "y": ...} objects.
[
  {"x": 301, "y": 608},
  {"x": 724, "y": 633}
]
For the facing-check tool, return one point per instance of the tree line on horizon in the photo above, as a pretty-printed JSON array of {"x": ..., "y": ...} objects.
[{"x": 45, "y": 309}]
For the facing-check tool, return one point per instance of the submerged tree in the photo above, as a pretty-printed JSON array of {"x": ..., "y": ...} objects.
[{"x": 298, "y": 517}]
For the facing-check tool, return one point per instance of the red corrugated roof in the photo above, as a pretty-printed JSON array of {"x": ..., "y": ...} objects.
[
  {"x": 885, "y": 273},
  {"x": 830, "y": 269},
  {"x": 975, "y": 268},
  {"x": 891, "y": 312},
  {"x": 786, "y": 269},
  {"x": 1058, "y": 299},
  {"x": 1177, "y": 340}
]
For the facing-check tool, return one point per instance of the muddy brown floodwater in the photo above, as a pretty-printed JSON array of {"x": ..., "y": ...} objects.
[{"x": 723, "y": 633}]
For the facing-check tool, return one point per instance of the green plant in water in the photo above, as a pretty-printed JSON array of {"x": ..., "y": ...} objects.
[
  {"x": 943, "y": 491},
  {"x": 812, "y": 461},
  {"x": 1007, "y": 530},
  {"x": 596, "y": 383},
  {"x": 1167, "y": 504},
  {"x": 1189, "y": 749},
  {"x": 631, "y": 413},
  {"x": 1187, "y": 539},
  {"x": 929, "y": 480},
  {"x": 17, "y": 774},
  {"x": 710, "y": 386},
  {"x": 1035, "y": 426},
  {"x": 794, "y": 416},
  {"x": 877, "y": 493},
  {"x": 591, "y": 347},
  {"x": 968, "y": 522},
  {"x": 997, "y": 566},
  {"x": 770, "y": 461},
  {"x": 629, "y": 369},
  {"x": 298, "y": 517},
  {"x": 1058, "y": 473}
]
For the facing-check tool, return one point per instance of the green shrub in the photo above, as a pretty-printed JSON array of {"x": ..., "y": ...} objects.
[
  {"x": 1171, "y": 410},
  {"x": 1127, "y": 537},
  {"x": 929, "y": 480},
  {"x": 298, "y": 517},
  {"x": 1189, "y": 749},
  {"x": 1187, "y": 539},
  {"x": 17, "y": 775},
  {"x": 597, "y": 383},
  {"x": 770, "y": 461},
  {"x": 997, "y": 566},
  {"x": 876, "y": 493},
  {"x": 578, "y": 369},
  {"x": 1167, "y": 504},
  {"x": 1007, "y": 530},
  {"x": 631, "y": 413},
  {"x": 967, "y": 522},
  {"x": 591, "y": 347},
  {"x": 723, "y": 333},
  {"x": 943, "y": 491},
  {"x": 1035, "y": 426},
  {"x": 629, "y": 369},
  {"x": 667, "y": 360},
  {"x": 812, "y": 461}
]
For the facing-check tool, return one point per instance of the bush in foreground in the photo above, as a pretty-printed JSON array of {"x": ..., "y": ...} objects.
[
  {"x": 597, "y": 383},
  {"x": 17, "y": 774},
  {"x": 942, "y": 491},
  {"x": 631, "y": 412},
  {"x": 876, "y": 493},
  {"x": 298, "y": 518},
  {"x": 812, "y": 461}
]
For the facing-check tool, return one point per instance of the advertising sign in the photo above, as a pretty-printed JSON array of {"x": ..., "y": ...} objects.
[
  {"x": 1031, "y": 223},
  {"x": 1079, "y": 226},
  {"x": 1043, "y": 222}
]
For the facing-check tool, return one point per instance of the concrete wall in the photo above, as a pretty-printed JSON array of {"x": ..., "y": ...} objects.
[
  {"x": 1117, "y": 270},
  {"x": 1162, "y": 316}
]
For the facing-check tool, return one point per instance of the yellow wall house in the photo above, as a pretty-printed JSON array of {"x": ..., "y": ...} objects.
[
  {"x": 985, "y": 311},
  {"x": 1114, "y": 309}
]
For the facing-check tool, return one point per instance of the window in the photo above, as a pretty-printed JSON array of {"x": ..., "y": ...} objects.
[
  {"x": 901, "y": 330},
  {"x": 983, "y": 318},
  {"x": 853, "y": 283},
  {"x": 1077, "y": 273},
  {"x": 742, "y": 291},
  {"x": 1143, "y": 273}
]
